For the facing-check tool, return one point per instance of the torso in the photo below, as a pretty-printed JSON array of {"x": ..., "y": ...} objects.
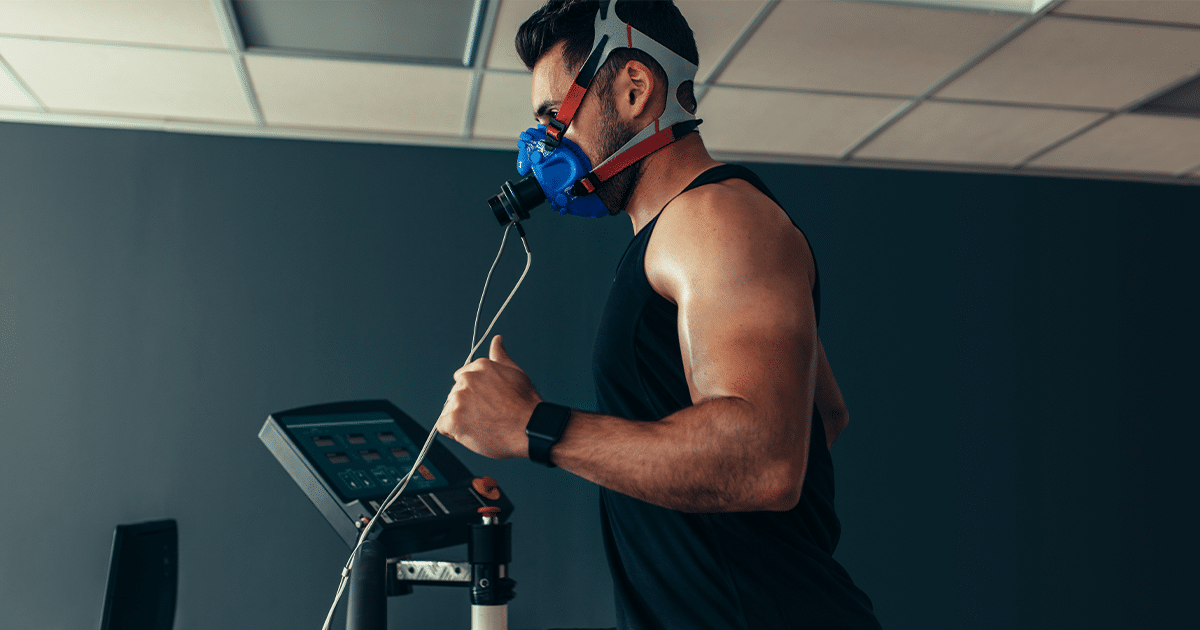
[{"x": 734, "y": 569}]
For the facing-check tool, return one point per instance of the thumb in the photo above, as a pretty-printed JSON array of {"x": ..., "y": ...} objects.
[{"x": 497, "y": 353}]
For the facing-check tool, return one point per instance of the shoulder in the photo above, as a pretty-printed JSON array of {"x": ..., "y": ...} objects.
[{"x": 728, "y": 231}]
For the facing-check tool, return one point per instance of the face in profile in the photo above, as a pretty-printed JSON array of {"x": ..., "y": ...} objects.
[{"x": 597, "y": 126}]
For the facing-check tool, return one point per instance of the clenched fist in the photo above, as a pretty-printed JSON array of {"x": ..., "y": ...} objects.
[{"x": 489, "y": 406}]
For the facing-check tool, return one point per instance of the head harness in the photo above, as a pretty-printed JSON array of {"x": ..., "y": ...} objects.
[{"x": 674, "y": 123}]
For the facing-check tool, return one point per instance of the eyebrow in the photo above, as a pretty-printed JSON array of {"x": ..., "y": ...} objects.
[{"x": 546, "y": 106}]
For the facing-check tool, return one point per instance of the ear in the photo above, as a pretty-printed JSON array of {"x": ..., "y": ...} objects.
[{"x": 635, "y": 87}]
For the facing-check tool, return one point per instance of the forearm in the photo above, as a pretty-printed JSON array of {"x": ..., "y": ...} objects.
[{"x": 700, "y": 459}]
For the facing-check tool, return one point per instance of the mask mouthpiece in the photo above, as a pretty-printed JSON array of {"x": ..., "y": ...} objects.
[{"x": 516, "y": 199}]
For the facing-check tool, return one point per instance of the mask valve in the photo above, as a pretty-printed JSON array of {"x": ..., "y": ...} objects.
[{"x": 516, "y": 199}]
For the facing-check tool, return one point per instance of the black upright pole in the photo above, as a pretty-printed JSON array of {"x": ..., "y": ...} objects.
[{"x": 367, "y": 608}]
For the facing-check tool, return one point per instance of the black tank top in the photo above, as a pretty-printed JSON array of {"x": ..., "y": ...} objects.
[{"x": 677, "y": 570}]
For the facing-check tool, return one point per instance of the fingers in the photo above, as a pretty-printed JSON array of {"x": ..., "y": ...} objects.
[
  {"x": 450, "y": 410},
  {"x": 442, "y": 421},
  {"x": 498, "y": 354}
]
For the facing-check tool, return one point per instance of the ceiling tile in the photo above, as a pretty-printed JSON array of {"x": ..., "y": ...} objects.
[
  {"x": 716, "y": 24},
  {"x": 504, "y": 110},
  {"x": 189, "y": 23},
  {"x": 1168, "y": 11},
  {"x": 1135, "y": 143},
  {"x": 975, "y": 134},
  {"x": 816, "y": 124},
  {"x": 323, "y": 93},
  {"x": 129, "y": 81},
  {"x": 1083, "y": 63},
  {"x": 509, "y": 17},
  {"x": 11, "y": 94},
  {"x": 861, "y": 47}
]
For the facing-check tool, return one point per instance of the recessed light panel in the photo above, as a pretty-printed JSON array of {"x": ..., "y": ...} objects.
[
  {"x": 1181, "y": 101},
  {"x": 438, "y": 32}
]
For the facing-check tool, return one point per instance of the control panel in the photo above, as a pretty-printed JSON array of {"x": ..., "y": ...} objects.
[{"x": 348, "y": 456}]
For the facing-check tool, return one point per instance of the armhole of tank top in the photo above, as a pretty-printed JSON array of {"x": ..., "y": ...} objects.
[
  {"x": 648, "y": 295},
  {"x": 643, "y": 280},
  {"x": 700, "y": 180},
  {"x": 732, "y": 171}
]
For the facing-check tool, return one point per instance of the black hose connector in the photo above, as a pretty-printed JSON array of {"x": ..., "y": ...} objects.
[{"x": 516, "y": 200}]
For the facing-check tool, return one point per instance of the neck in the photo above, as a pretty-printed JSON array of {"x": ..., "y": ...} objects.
[{"x": 665, "y": 173}]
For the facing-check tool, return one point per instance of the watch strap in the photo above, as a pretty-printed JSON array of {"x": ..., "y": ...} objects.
[{"x": 545, "y": 429}]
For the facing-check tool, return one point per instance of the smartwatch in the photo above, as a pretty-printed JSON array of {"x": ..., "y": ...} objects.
[{"x": 545, "y": 429}]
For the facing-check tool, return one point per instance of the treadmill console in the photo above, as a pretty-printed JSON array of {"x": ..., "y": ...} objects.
[{"x": 348, "y": 456}]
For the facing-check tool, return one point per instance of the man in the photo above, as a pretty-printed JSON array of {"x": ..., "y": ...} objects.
[{"x": 717, "y": 405}]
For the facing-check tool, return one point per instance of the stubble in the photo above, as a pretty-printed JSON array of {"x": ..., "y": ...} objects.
[{"x": 614, "y": 134}]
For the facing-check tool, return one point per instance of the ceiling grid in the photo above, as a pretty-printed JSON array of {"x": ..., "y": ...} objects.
[
  {"x": 236, "y": 47},
  {"x": 482, "y": 44},
  {"x": 1127, "y": 109},
  {"x": 21, "y": 86},
  {"x": 861, "y": 100},
  {"x": 701, "y": 87},
  {"x": 974, "y": 61}
]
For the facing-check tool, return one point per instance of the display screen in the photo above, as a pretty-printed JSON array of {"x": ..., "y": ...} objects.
[{"x": 363, "y": 455}]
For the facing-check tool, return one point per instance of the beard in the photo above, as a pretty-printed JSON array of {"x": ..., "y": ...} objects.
[{"x": 614, "y": 133}]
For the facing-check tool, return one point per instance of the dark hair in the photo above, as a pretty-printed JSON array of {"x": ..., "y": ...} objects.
[{"x": 573, "y": 22}]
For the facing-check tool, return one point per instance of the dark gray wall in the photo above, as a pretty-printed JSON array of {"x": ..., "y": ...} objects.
[{"x": 1017, "y": 355}]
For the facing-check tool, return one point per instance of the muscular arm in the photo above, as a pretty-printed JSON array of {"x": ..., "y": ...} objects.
[{"x": 742, "y": 277}]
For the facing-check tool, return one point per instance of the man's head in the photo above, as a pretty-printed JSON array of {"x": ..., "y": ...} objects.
[{"x": 627, "y": 93}]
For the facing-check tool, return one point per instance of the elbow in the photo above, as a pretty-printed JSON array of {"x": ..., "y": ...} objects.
[{"x": 781, "y": 487}]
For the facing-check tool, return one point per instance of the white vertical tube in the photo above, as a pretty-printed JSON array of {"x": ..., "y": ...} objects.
[{"x": 489, "y": 617}]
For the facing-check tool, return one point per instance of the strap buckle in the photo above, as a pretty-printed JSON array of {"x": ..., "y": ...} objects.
[{"x": 552, "y": 140}]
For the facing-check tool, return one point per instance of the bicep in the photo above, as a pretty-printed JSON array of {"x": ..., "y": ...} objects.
[
  {"x": 743, "y": 284},
  {"x": 749, "y": 340}
]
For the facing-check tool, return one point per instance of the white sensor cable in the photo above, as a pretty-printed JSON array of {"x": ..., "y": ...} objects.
[{"x": 475, "y": 343}]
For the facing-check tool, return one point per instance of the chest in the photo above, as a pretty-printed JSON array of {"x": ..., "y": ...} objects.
[{"x": 636, "y": 362}]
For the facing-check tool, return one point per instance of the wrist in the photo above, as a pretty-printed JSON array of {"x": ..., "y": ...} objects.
[{"x": 544, "y": 430}]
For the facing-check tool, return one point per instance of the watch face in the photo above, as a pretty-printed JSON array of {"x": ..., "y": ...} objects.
[
  {"x": 545, "y": 428},
  {"x": 548, "y": 421}
]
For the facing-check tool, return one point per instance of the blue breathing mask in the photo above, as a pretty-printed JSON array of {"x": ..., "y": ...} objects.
[{"x": 556, "y": 171}]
